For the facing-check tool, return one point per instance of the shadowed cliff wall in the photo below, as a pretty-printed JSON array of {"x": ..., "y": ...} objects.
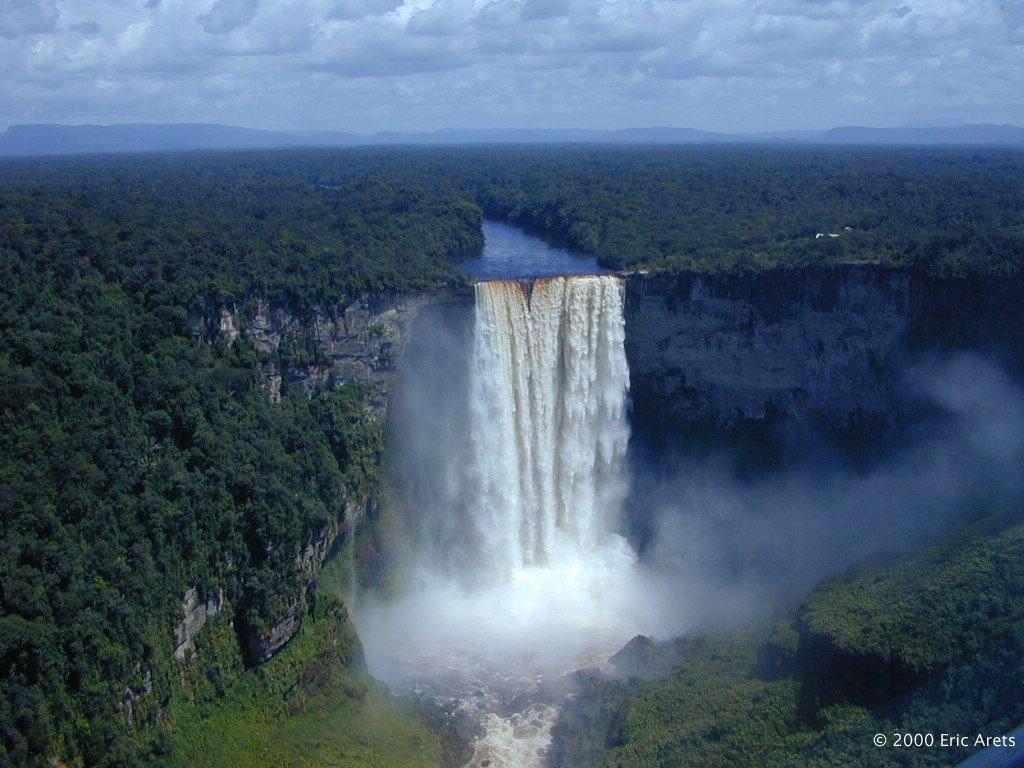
[{"x": 750, "y": 358}]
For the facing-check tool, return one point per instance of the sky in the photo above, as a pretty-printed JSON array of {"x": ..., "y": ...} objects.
[{"x": 413, "y": 65}]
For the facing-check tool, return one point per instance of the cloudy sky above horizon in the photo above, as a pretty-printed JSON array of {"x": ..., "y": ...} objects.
[{"x": 404, "y": 65}]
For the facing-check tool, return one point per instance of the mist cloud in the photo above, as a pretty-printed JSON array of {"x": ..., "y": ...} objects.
[
  {"x": 767, "y": 543},
  {"x": 495, "y": 618},
  {"x": 722, "y": 551}
]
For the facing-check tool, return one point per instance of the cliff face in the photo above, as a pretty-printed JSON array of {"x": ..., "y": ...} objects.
[
  {"x": 715, "y": 352},
  {"x": 262, "y": 643},
  {"x": 195, "y": 613},
  {"x": 362, "y": 344},
  {"x": 710, "y": 357},
  {"x": 826, "y": 347}
]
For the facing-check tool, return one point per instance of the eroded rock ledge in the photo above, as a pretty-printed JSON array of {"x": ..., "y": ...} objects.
[
  {"x": 363, "y": 344},
  {"x": 816, "y": 344},
  {"x": 822, "y": 346}
]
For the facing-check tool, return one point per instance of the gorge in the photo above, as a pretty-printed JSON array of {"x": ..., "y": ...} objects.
[{"x": 510, "y": 423}]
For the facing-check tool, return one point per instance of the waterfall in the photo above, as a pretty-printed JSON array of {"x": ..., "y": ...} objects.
[
  {"x": 510, "y": 477},
  {"x": 548, "y": 431}
]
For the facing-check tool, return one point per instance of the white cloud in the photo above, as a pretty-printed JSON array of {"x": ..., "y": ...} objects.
[
  {"x": 228, "y": 15},
  {"x": 353, "y": 10},
  {"x": 381, "y": 64},
  {"x": 27, "y": 17}
]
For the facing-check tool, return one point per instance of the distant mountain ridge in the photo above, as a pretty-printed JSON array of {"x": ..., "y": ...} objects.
[
  {"x": 979, "y": 133},
  {"x": 53, "y": 139}
]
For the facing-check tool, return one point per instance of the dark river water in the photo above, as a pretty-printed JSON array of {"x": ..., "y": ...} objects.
[{"x": 511, "y": 252}]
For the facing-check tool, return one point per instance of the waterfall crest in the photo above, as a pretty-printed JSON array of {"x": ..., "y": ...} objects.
[{"x": 548, "y": 430}]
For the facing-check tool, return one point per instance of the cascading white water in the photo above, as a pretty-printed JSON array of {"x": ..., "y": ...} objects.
[
  {"x": 547, "y": 403},
  {"x": 520, "y": 575}
]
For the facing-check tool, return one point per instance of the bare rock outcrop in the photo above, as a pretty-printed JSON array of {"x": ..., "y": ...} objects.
[
  {"x": 196, "y": 613},
  {"x": 363, "y": 342},
  {"x": 816, "y": 344}
]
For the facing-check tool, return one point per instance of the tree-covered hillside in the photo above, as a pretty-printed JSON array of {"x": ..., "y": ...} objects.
[{"x": 138, "y": 459}]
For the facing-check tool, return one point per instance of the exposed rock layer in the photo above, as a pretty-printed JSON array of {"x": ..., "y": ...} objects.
[
  {"x": 195, "y": 613},
  {"x": 708, "y": 355},
  {"x": 361, "y": 344},
  {"x": 825, "y": 346},
  {"x": 811, "y": 343}
]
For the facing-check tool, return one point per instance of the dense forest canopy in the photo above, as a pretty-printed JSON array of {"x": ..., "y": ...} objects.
[
  {"x": 714, "y": 208},
  {"x": 948, "y": 211},
  {"x": 709, "y": 209},
  {"x": 140, "y": 459},
  {"x": 231, "y": 227}
]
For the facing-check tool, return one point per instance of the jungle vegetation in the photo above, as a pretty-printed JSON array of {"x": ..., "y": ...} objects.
[
  {"x": 140, "y": 456},
  {"x": 944, "y": 211}
]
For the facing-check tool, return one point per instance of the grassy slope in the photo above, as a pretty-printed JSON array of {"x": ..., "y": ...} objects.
[
  {"x": 814, "y": 691},
  {"x": 311, "y": 705}
]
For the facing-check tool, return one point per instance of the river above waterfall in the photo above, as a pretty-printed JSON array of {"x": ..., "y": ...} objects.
[{"x": 512, "y": 252}]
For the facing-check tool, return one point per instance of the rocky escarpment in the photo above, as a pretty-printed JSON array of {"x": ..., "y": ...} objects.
[
  {"x": 261, "y": 643},
  {"x": 825, "y": 347},
  {"x": 195, "y": 613},
  {"x": 717, "y": 352},
  {"x": 363, "y": 343}
]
